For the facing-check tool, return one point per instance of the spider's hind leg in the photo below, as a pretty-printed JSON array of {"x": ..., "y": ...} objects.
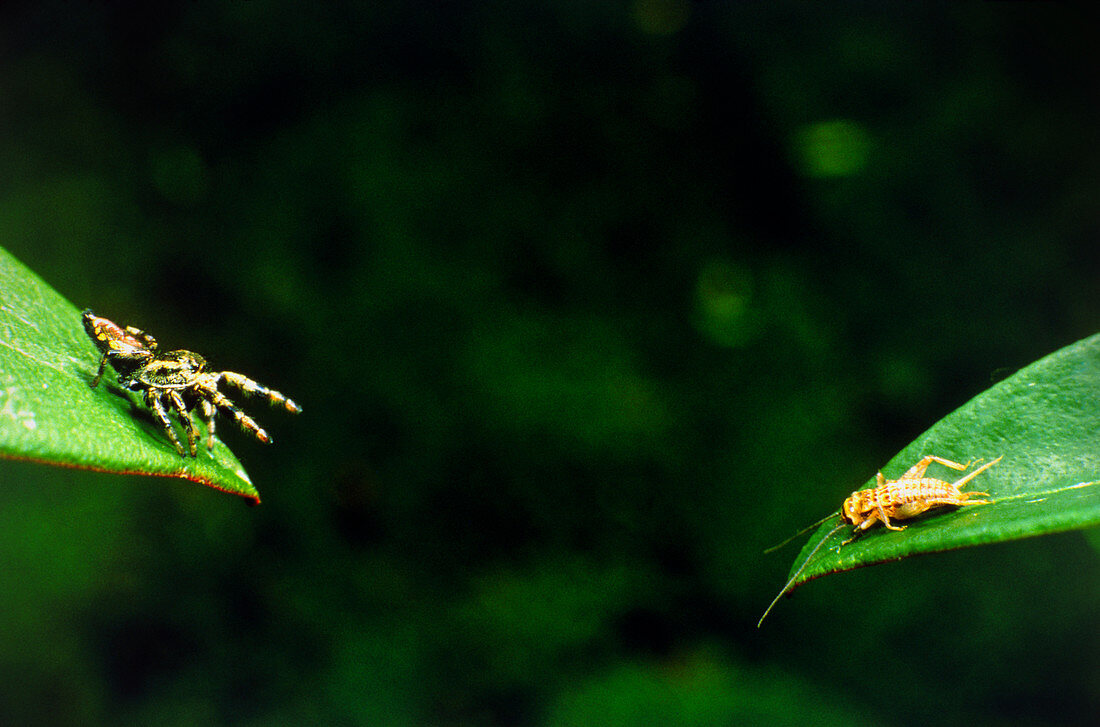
[
  {"x": 255, "y": 388},
  {"x": 99, "y": 372},
  {"x": 148, "y": 341}
]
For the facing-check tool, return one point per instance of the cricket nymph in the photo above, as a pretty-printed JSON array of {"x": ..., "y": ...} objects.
[
  {"x": 900, "y": 499},
  {"x": 909, "y": 496}
]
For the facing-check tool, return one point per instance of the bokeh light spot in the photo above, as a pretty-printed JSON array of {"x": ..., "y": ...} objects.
[
  {"x": 180, "y": 175},
  {"x": 660, "y": 17},
  {"x": 723, "y": 300},
  {"x": 836, "y": 148}
]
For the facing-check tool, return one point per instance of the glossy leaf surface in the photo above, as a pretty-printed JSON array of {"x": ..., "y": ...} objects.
[
  {"x": 1043, "y": 421},
  {"x": 50, "y": 414}
]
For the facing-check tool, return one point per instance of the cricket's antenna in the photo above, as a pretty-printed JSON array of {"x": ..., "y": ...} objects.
[
  {"x": 798, "y": 572},
  {"x": 808, "y": 527}
]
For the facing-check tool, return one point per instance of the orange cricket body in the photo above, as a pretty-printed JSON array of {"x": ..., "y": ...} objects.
[{"x": 909, "y": 496}]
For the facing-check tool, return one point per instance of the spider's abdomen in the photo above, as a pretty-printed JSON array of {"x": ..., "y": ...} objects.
[{"x": 110, "y": 337}]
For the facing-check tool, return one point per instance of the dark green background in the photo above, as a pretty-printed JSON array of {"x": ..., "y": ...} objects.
[{"x": 586, "y": 304}]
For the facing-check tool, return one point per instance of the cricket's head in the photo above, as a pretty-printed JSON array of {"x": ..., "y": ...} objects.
[{"x": 854, "y": 509}]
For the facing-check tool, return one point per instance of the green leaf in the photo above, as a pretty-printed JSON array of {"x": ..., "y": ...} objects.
[
  {"x": 1043, "y": 420},
  {"x": 50, "y": 414}
]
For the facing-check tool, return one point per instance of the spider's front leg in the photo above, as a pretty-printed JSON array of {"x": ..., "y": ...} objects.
[
  {"x": 176, "y": 401},
  {"x": 255, "y": 388},
  {"x": 245, "y": 422},
  {"x": 208, "y": 412},
  {"x": 152, "y": 400}
]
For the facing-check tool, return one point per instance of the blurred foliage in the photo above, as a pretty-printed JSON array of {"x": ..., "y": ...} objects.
[{"x": 586, "y": 304}]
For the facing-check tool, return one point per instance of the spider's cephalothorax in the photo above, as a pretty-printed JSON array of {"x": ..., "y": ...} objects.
[{"x": 174, "y": 381}]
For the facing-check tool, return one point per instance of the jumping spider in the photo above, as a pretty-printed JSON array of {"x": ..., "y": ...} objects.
[{"x": 176, "y": 380}]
